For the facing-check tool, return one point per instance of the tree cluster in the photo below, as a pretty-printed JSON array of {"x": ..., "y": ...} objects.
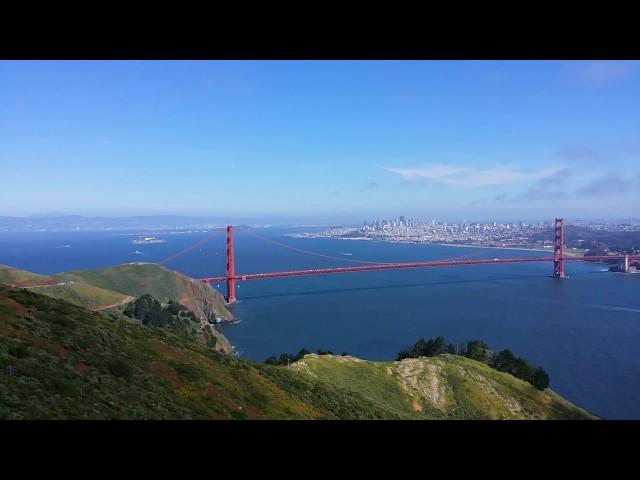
[
  {"x": 152, "y": 313},
  {"x": 504, "y": 361},
  {"x": 287, "y": 358}
]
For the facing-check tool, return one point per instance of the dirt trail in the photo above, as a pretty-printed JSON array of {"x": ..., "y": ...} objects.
[{"x": 127, "y": 299}]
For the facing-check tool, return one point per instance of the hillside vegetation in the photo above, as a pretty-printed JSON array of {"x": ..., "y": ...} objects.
[
  {"x": 114, "y": 287},
  {"x": 137, "y": 279},
  {"x": 60, "y": 360},
  {"x": 442, "y": 387}
]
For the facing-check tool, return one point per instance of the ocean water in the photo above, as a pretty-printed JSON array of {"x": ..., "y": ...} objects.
[{"x": 584, "y": 330}]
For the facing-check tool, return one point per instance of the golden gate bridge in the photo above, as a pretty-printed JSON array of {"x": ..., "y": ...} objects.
[{"x": 232, "y": 278}]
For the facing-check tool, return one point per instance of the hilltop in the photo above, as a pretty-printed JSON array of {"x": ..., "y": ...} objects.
[
  {"x": 63, "y": 361},
  {"x": 442, "y": 387},
  {"x": 137, "y": 279},
  {"x": 114, "y": 287}
]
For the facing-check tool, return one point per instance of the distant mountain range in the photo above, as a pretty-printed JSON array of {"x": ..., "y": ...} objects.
[
  {"x": 78, "y": 222},
  {"x": 67, "y": 223}
]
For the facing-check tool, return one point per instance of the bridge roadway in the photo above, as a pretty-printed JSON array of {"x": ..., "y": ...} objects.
[{"x": 398, "y": 266}]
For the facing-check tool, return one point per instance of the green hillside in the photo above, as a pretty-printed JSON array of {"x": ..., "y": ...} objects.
[
  {"x": 84, "y": 295},
  {"x": 63, "y": 361},
  {"x": 70, "y": 363},
  {"x": 131, "y": 279},
  {"x": 441, "y": 387},
  {"x": 12, "y": 275},
  {"x": 137, "y": 279},
  {"x": 114, "y": 287},
  {"x": 76, "y": 292}
]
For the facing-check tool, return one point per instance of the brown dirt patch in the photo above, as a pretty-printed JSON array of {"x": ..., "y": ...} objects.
[
  {"x": 19, "y": 308},
  {"x": 36, "y": 282},
  {"x": 216, "y": 394},
  {"x": 165, "y": 349},
  {"x": 162, "y": 371},
  {"x": 61, "y": 351}
]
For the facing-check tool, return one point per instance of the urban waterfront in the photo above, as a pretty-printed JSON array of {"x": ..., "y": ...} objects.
[{"x": 583, "y": 330}]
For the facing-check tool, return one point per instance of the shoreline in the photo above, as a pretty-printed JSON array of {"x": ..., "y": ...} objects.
[{"x": 462, "y": 245}]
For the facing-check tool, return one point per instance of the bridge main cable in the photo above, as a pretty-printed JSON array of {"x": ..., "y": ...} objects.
[
  {"x": 368, "y": 268},
  {"x": 397, "y": 266},
  {"x": 309, "y": 252}
]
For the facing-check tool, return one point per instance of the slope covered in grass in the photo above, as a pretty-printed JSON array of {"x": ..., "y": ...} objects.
[
  {"x": 137, "y": 279},
  {"x": 61, "y": 361},
  {"x": 114, "y": 287},
  {"x": 70, "y": 363},
  {"x": 441, "y": 387},
  {"x": 76, "y": 292},
  {"x": 84, "y": 295},
  {"x": 12, "y": 275}
]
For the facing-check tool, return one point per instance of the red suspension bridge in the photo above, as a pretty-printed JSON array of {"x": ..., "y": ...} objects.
[{"x": 231, "y": 278}]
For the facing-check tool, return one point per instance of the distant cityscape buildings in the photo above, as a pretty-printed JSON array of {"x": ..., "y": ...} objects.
[{"x": 403, "y": 229}]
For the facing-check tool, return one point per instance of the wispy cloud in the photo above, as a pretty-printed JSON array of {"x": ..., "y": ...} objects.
[
  {"x": 546, "y": 188},
  {"x": 611, "y": 185},
  {"x": 582, "y": 153},
  {"x": 430, "y": 172},
  {"x": 500, "y": 198},
  {"x": 600, "y": 72},
  {"x": 469, "y": 177}
]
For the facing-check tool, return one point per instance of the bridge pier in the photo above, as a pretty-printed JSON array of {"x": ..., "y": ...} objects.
[
  {"x": 558, "y": 249},
  {"x": 231, "y": 267}
]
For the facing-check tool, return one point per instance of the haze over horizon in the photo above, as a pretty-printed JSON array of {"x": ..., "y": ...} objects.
[{"x": 337, "y": 141}]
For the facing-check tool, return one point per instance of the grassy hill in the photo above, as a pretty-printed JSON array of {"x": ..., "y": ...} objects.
[
  {"x": 14, "y": 275},
  {"x": 113, "y": 287},
  {"x": 137, "y": 279},
  {"x": 62, "y": 361},
  {"x": 76, "y": 292},
  {"x": 441, "y": 387}
]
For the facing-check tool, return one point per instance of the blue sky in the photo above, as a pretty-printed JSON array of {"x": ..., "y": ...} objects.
[{"x": 318, "y": 140}]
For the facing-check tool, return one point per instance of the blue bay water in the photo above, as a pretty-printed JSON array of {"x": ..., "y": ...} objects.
[{"x": 583, "y": 331}]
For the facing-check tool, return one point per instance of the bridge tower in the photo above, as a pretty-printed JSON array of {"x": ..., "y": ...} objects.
[
  {"x": 558, "y": 252},
  {"x": 231, "y": 267}
]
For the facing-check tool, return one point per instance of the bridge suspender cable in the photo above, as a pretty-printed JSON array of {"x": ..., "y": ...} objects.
[
  {"x": 308, "y": 252},
  {"x": 192, "y": 247}
]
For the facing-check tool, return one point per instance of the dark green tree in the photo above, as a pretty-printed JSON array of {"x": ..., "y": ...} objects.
[
  {"x": 301, "y": 354},
  {"x": 505, "y": 361},
  {"x": 540, "y": 379},
  {"x": 284, "y": 359},
  {"x": 478, "y": 350},
  {"x": 272, "y": 360}
]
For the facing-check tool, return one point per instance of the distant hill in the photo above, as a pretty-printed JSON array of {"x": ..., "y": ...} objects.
[
  {"x": 61, "y": 361},
  {"x": 442, "y": 387},
  {"x": 75, "y": 222},
  {"x": 78, "y": 293},
  {"x": 115, "y": 286},
  {"x": 139, "y": 278},
  {"x": 14, "y": 275}
]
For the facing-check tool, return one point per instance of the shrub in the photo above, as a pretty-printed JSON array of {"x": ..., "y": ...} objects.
[{"x": 119, "y": 368}]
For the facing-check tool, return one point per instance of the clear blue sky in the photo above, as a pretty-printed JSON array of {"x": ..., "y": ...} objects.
[{"x": 330, "y": 141}]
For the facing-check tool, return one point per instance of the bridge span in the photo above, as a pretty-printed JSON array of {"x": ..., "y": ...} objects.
[{"x": 558, "y": 259}]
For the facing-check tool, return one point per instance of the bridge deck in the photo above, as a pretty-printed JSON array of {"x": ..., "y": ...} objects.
[{"x": 396, "y": 266}]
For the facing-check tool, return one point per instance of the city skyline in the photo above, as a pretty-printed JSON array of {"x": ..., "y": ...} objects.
[{"x": 326, "y": 141}]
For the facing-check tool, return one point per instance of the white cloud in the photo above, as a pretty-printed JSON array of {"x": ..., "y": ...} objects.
[
  {"x": 468, "y": 177},
  {"x": 600, "y": 72},
  {"x": 431, "y": 172}
]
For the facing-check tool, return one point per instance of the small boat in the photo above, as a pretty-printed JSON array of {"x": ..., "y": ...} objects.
[{"x": 147, "y": 240}]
